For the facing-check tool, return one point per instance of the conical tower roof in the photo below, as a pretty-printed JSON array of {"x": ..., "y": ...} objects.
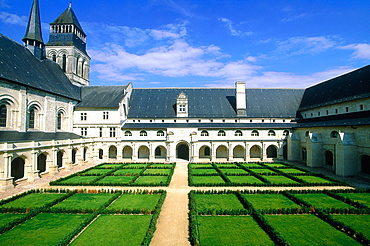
[
  {"x": 68, "y": 17},
  {"x": 34, "y": 24}
]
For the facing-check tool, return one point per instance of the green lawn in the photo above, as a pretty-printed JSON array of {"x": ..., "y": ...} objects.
[
  {"x": 280, "y": 180},
  {"x": 263, "y": 171},
  {"x": 307, "y": 229},
  {"x": 127, "y": 172},
  {"x": 231, "y": 230},
  {"x": 314, "y": 179},
  {"x": 33, "y": 200},
  {"x": 111, "y": 166},
  {"x": 124, "y": 180},
  {"x": 195, "y": 165},
  {"x": 97, "y": 171},
  {"x": 161, "y": 180},
  {"x": 205, "y": 202},
  {"x": 84, "y": 201},
  {"x": 6, "y": 218},
  {"x": 115, "y": 230},
  {"x": 233, "y": 171},
  {"x": 135, "y": 201},
  {"x": 158, "y": 165},
  {"x": 248, "y": 180},
  {"x": 251, "y": 165},
  {"x": 78, "y": 180},
  {"x": 207, "y": 180},
  {"x": 136, "y": 166},
  {"x": 358, "y": 222},
  {"x": 291, "y": 170},
  {"x": 44, "y": 229},
  {"x": 322, "y": 201},
  {"x": 158, "y": 171},
  {"x": 363, "y": 198},
  {"x": 275, "y": 165},
  {"x": 270, "y": 201},
  {"x": 203, "y": 171},
  {"x": 226, "y": 165}
]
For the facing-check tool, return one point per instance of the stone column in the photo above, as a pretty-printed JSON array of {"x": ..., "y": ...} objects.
[
  {"x": 230, "y": 156},
  {"x": 151, "y": 153},
  {"x": 6, "y": 182},
  {"x": 294, "y": 147},
  {"x": 32, "y": 172},
  {"x": 247, "y": 152},
  {"x": 134, "y": 151},
  {"x": 53, "y": 163}
]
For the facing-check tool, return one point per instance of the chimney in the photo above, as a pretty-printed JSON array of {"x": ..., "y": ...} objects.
[{"x": 241, "y": 101}]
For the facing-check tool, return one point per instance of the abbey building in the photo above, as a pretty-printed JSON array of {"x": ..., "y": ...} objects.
[{"x": 52, "y": 119}]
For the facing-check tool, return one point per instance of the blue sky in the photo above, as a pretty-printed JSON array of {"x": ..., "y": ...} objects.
[{"x": 211, "y": 43}]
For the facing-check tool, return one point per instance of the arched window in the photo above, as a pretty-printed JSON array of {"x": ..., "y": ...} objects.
[
  {"x": 221, "y": 133},
  {"x": 286, "y": 133},
  {"x": 334, "y": 134},
  {"x": 255, "y": 133},
  {"x": 160, "y": 133},
  {"x": 307, "y": 134},
  {"x": 64, "y": 62},
  {"x": 157, "y": 151},
  {"x": 128, "y": 134},
  {"x": 238, "y": 133},
  {"x": 143, "y": 134},
  {"x": 59, "y": 120},
  {"x": 271, "y": 133},
  {"x": 54, "y": 57},
  {"x": 204, "y": 133},
  {"x": 207, "y": 151},
  {"x": 3, "y": 115},
  {"x": 31, "y": 119}
]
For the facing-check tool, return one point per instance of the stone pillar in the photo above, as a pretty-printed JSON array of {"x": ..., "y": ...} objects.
[
  {"x": 247, "y": 152},
  {"x": 195, "y": 152},
  {"x": 134, "y": 151},
  {"x": 32, "y": 172},
  {"x": 315, "y": 155},
  {"x": 294, "y": 147},
  {"x": 213, "y": 152},
  {"x": 6, "y": 182},
  {"x": 119, "y": 152},
  {"x": 230, "y": 152},
  {"x": 53, "y": 163},
  {"x": 151, "y": 153},
  {"x": 263, "y": 154},
  {"x": 346, "y": 155}
]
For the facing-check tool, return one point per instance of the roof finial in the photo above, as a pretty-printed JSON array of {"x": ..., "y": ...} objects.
[{"x": 70, "y": 4}]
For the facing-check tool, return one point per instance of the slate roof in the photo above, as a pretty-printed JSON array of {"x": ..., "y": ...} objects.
[
  {"x": 209, "y": 125},
  {"x": 33, "y": 31},
  {"x": 350, "y": 86},
  {"x": 214, "y": 103},
  {"x": 68, "y": 17},
  {"x": 14, "y": 136},
  {"x": 19, "y": 65},
  {"x": 101, "y": 96}
]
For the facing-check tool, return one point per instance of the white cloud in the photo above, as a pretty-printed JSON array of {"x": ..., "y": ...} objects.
[
  {"x": 13, "y": 19},
  {"x": 361, "y": 51},
  {"x": 233, "y": 31},
  {"x": 305, "y": 45}
]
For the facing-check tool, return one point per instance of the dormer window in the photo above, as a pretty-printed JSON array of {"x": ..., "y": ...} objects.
[{"x": 182, "y": 105}]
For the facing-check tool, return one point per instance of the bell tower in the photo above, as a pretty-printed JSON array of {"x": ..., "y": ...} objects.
[{"x": 67, "y": 47}]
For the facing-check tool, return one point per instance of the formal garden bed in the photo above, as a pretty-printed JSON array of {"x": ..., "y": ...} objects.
[
  {"x": 255, "y": 174},
  {"x": 130, "y": 174},
  {"x": 295, "y": 217},
  {"x": 57, "y": 217}
]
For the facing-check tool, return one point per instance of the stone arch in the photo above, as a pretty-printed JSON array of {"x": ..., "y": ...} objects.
[
  {"x": 255, "y": 151},
  {"x": 100, "y": 154},
  {"x": 60, "y": 117},
  {"x": 127, "y": 152},
  {"x": 73, "y": 155},
  {"x": 60, "y": 154},
  {"x": 271, "y": 151},
  {"x": 304, "y": 154},
  {"x": 41, "y": 162},
  {"x": 182, "y": 151},
  {"x": 112, "y": 152},
  {"x": 8, "y": 106},
  {"x": 62, "y": 59},
  {"x": 329, "y": 158},
  {"x": 84, "y": 153},
  {"x": 33, "y": 112},
  {"x": 365, "y": 164},
  {"x": 143, "y": 152},
  {"x": 222, "y": 152},
  {"x": 239, "y": 152},
  {"x": 160, "y": 152},
  {"x": 52, "y": 55},
  {"x": 17, "y": 168},
  {"x": 285, "y": 151},
  {"x": 205, "y": 152}
]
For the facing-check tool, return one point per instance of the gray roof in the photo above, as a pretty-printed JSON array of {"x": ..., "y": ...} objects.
[
  {"x": 347, "y": 87},
  {"x": 33, "y": 31},
  {"x": 214, "y": 103},
  {"x": 209, "y": 125},
  {"x": 101, "y": 96},
  {"x": 14, "y": 136},
  {"x": 68, "y": 17},
  {"x": 17, "y": 64},
  {"x": 335, "y": 123}
]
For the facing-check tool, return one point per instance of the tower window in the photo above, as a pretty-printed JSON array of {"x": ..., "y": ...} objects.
[
  {"x": 64, "y": 62},
  {"x": 59, "y": 121},
  {"x": 31, "y": 123}
]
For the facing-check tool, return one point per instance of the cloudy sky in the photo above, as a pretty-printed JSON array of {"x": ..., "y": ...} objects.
[{"x": 211, "y": 43}]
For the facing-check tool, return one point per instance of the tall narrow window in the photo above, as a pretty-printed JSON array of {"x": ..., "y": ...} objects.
[
  {"x": 32, "y": 118},
  {"x": 112, "y": 132},
  {"x": 64, "y": 62},
  {"x": 3, "y": 115},
  {"x": 59, "y": 121},
  {"x": 83, "y": 116},
  {"x": 54, "y": 58},
  {"x": 105, "y": 115},
  {"x": 83, "y": 131},
  {"x": 100, "y": 132}
]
